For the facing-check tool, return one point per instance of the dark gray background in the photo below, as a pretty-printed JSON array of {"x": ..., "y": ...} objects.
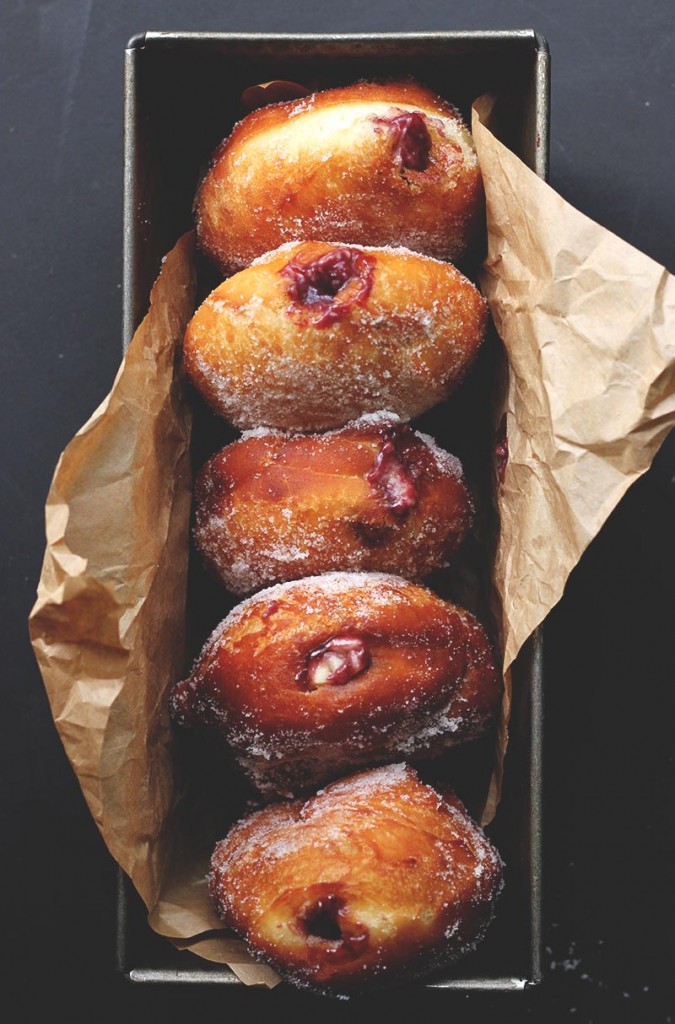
[{"x": 609, "y": 839}]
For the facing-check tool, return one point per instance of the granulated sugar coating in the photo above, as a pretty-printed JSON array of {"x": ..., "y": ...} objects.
[
  {"x": 367, "y": 164},
  {"x": 318, "y": 348},
  {"x": 313, "y": 678},
  {"x": 373, "y": 495},
  {"x": 375, "y": 880}
]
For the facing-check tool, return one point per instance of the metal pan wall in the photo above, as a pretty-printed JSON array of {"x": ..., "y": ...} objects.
[{"x": 181, "y": 97}]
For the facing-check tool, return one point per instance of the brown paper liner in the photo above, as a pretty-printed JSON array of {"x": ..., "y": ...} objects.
[
  {"x": 108, "y": 623},
  {"x": 589, "y": 327},
  {"x": 588, "y": 323}
]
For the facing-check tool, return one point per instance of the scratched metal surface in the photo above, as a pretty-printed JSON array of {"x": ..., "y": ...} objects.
[{"x": 609, "y": 703}]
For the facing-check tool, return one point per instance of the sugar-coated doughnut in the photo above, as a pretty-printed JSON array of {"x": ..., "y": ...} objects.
[
  {"x": 373, "y": 495},
  {"x": 314, "y": 334},
  {"x": 310, "y": 679},
  {"x": 388, "y": 164},
  {"x": 374, "y": 881}
]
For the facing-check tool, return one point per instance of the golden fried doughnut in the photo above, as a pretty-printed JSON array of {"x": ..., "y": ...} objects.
[
  {"x": 375, "y": 880},
  {"x": 370, "y": 164},
  {"x": 315, "y": 334},
  {"x": 373, "y": 495},
  {"x": 310, "y": 679}
]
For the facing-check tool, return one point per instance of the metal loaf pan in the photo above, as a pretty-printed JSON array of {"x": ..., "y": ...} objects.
[{"x": 182, "y": 92}]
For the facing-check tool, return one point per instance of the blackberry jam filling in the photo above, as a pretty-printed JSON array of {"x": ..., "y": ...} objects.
[
  {"x": 412, "y": 142},
  {"x": 392, "y": 477},
  {"x": 336, "y": 662},
  {"x": 332, "y": 283}
]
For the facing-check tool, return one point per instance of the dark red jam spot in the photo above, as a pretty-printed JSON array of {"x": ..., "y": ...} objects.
[
  {"x": 332, "y": 283},
  {"x": 336, "y": 662},
  {"x": 502, "y": 450},
  {"x": 412, "y": 142},
  {"x": 391, "y": 477},
  {"x": 271, "y": 608},
  {"x": 372, "y": 535}
]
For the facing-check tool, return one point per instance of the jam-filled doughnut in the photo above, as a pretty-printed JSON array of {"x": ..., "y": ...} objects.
[
  {"x": 388, "y": 164},
  {"x": 310, "y": 679},
  {"x": 374, "y": 881},
  {"x": 374, "y": 495},
  {"x": 315, "y": 334}
]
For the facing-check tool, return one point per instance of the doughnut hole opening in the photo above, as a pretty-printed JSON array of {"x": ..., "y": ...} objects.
[
  {"x": 327, "y": 921},
  {"x": 321, "y": 919}
]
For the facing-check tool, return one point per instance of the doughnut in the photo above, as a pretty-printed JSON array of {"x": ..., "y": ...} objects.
[
  {"x": 315, "y": 334},
  {"x": 310, "y": 679},
  {"x": 376, "y": 880},
  {"x": 388, "y": 164},
  {"x": 373, "y": 495}
]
